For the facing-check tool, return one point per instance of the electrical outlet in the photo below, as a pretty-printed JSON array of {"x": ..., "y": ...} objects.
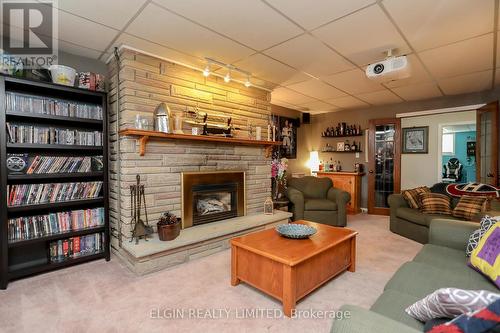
[{"x": 357, "y": 155}]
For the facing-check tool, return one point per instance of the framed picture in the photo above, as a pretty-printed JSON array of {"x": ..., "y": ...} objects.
[
  {"x": 286, "y": 131},
  {"x": 416, "y": 140},
  {"x": 340, "y": 146}
]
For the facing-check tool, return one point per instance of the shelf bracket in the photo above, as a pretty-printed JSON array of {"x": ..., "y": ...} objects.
[
  {"x": 268, "y": 151},
  {"x": 142, "y": 144}
]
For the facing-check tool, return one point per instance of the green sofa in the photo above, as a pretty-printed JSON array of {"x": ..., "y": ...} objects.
[
  {"x": 413, "y": 224},
  {"x": 441, "y": 263},
  {"x": 315, "y": 199}
]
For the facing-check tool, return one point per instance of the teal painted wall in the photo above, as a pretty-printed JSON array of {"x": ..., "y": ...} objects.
[{"x": 469, "y": 169}]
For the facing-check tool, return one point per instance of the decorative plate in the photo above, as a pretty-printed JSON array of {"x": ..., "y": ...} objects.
[{"x": 296, "y": 231}]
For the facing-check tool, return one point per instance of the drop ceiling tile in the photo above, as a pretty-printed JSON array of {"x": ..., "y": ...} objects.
[
  {"x": 468, "y": 56},
  {"x": 310, "y": 55},
  {"x": 317, "y": 106},
  {"x": 113, "y": 13},
  {"x": 78, "y": 50},
  {"x": 363, "y": 36},
  {"x": 432, "y": 23},
  {"x": 353, "y": 81},
  {"x": 321, "y": 12},
  {"x": 76, "y": 30},
  {"x": 160, "y": 26},
  {"x": 316, "y": 89},
  {"x": 347, "y": 102},
  {"x": 252, "y": 23},
  {"x": 287, "y": 105},
  {"x": 159, "y": 50},
  {"x": 271, "y": 70},
  {"x": 382, "y": 97},
  {"x": 418, "y": 74},
  {"x": 467, "y": 83},
  {"x": 418, "y": 91},
  {"x": 290, "y": 96}
]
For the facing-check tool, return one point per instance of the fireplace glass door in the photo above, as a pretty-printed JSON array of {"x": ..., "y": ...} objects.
[{"x": 214, "y": 202}]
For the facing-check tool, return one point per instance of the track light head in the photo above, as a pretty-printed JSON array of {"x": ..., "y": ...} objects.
[
  {"x": 206, "y": 71},
  {"x": 247, "y": 82},
  {"x": 227, "y": 78}
]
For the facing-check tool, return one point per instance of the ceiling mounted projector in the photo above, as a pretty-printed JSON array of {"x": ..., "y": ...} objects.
[{"x": 392, "y": 68}]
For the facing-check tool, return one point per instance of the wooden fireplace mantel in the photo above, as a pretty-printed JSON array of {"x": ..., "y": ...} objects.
[{"x": 144, "y": 136}]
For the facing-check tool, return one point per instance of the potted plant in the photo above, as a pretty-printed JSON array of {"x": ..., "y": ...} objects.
[{"x": 169, "y": 226}]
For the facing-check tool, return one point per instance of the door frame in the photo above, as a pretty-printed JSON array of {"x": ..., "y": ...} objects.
[
  {"x": 490, "y": 107},
  {"x": 371, "y": 162}
]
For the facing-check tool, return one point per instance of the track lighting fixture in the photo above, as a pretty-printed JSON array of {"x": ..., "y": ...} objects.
[{"x": 230, "y": 69}]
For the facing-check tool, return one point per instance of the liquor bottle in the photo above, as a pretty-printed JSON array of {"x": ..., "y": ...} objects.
[
  {"x": 339, "y": 167},
  {"x": 320, "y": 165},
  {"x": 353, "y": 146},
  {"x": 334, "y": 166},
  {"x": 331, "y": 164},
  {"x": 347, "y": 146},
  {"x": 359, "y": 130}
]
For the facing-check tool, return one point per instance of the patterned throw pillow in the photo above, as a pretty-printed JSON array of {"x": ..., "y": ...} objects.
[
  {"x": 486, "y": 256},
  {"x": 469, "y": 206},
  {"x": 486, "y": 223},
  {"x": 485, "y": 320},
  {"x": 412, "y": 196},
  {"x": 435, "y": 203},
  {"x": 449, "y": 303}
]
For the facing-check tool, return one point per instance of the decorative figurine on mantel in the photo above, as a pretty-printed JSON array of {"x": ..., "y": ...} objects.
[
  {"x": 163, "y": 119},
  {"x": 140, "y": 228}
]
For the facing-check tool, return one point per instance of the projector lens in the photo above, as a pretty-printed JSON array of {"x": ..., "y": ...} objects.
[{"x": 379, "y": 68}]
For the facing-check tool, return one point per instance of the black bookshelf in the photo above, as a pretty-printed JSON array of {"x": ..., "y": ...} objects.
[{"x": 26, "y": 257}]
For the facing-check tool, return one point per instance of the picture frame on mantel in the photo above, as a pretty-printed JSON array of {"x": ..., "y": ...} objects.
[{"x": 415, "y": 140}]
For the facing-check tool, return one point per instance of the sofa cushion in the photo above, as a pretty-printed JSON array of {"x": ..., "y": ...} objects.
[
  {"x": 435, "y": 203},
  {"x": 442, "y": 257},
  {"x": 319, "y": 204},
  {"x": 469, "y": 206},
  {"x": 412, "y": 215},
  {"x": 412, "y": 196},
  {"x": 419, "y": 279},
  {"x": 393, "y": 303}
]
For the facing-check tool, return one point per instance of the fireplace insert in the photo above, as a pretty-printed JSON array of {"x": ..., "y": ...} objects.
[{"x": 214, "y": 202}]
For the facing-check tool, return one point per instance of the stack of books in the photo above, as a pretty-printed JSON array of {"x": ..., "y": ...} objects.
[
  {"x": 30, "y": 227},
  {"x": 18, "y": 133},
  {"x": 75, "y": 247},
  {"x": 16, "y": 102},
  {"x": 33, "y": 194}
]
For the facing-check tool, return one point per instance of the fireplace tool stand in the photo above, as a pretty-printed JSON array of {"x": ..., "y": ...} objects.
[{"x": 140, "y": 229}]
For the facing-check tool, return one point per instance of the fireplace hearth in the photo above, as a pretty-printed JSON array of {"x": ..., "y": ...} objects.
[{"x": 212, "y": 196}]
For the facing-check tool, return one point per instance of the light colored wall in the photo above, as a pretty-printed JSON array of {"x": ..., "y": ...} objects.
[{"x": 424, "y": 169}]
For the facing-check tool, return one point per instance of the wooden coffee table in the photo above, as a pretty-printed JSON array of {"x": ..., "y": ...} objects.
[{"x": 289, "y": 269}]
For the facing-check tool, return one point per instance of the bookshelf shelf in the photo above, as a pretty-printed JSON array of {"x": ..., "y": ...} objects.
[
  {"x": 52, "y": 118},
  {"x": 31, "y": 270},
  {"x": 55, "y": 205},
  {"x": 55, "y": 176},
  {"x": 81, "y": 232},
  {"x": 341, "y": 136},
  {"x": 31, "y": 256}
]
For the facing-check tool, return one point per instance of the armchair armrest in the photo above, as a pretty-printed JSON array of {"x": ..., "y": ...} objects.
[
  {"x": 341, "y": 198},
  {"x": 362, "y": 321},
  {"x": 297, "y": 199},
  {"x": 451, "y": 233}
]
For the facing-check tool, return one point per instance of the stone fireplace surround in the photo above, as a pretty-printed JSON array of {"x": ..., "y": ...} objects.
[{"x": 145, "y": 81}]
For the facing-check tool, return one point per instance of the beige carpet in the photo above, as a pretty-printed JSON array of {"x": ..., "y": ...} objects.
[{"x": 106, "y": 297}]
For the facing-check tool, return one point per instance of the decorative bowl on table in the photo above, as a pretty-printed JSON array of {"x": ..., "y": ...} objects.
[{"x": 295, "y": 231}]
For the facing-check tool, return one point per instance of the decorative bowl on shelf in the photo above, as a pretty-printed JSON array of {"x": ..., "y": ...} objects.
[{"x": 295, "y": 231}]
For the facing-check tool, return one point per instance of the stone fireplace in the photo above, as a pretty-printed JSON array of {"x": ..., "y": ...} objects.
[{"x": 212, "y": 196}]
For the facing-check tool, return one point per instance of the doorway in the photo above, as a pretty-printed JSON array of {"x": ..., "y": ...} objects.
[
  {"x": 384, "y": 172},
  {"x": 487, "y": 144}
]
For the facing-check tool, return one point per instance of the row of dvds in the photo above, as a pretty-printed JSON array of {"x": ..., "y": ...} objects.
[
  {"x": 33, "y": 194},
  {"x": 51, "y": 135},
  {"x": 30, "y": 227},
  {"x": 41, "y": 105},
  {"x": 75, "y": 247},
  {"x": 63, "y": 164}
]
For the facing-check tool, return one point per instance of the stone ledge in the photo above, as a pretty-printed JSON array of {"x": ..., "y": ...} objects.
[{"x": 202, "y": 233}]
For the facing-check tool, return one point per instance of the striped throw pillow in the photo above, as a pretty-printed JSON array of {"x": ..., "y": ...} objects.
[
  {"x": 469, "y": 206},
  {"x": 412, "y": 196},
  {"x": 435, "y": 203}
]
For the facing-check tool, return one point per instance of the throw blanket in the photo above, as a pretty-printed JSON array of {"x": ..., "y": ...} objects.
[{"x": 473, "y": 189}]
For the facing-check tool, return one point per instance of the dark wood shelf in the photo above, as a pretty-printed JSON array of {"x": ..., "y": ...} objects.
[
  {"x": 343, "y": 152},
  {"x": 342, "y": 136},
  {"x": 52, "y": 147},
  {"x": 56, "y": 176},
  {"x": 48, "y": 117},
  {"x": 144, "y": 136},
  {"x": 18, "y": 273},
  {"x": 54, "y": 205},
  {"x": 81, "y": 232}
]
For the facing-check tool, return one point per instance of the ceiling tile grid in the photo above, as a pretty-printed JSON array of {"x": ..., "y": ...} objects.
[{"x": 284, "y": 44}]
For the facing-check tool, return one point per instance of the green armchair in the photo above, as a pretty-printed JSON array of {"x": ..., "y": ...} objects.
[{"x": 315, "y": 199}]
